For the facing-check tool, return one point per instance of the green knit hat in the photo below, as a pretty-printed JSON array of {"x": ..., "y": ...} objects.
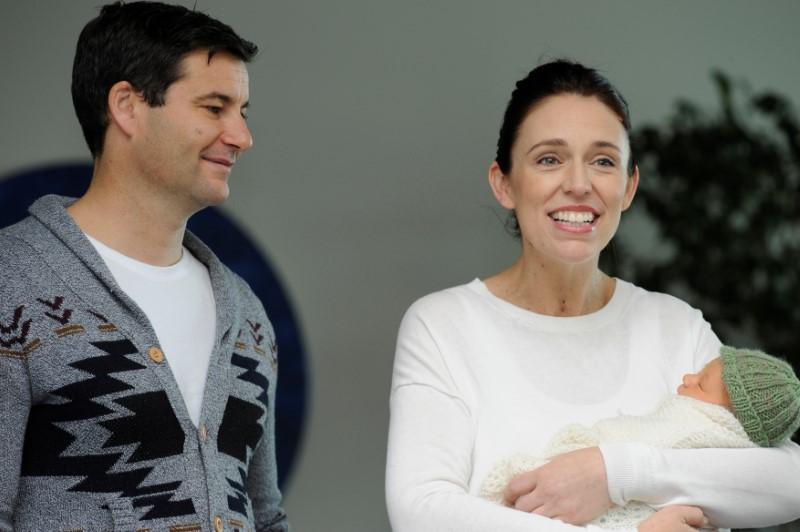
[{"x": 764, "y": 392}]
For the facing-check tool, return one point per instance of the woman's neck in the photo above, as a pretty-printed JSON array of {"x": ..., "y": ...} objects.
[{"x": 553, "y": 289}]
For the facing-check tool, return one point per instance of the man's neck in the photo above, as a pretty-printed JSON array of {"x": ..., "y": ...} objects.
[{"x": 145, "y": 227}]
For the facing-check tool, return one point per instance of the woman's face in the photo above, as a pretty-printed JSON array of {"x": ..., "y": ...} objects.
[{"x": 568, "y": 182}]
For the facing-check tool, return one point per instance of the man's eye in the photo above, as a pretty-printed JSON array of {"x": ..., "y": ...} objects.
[
  {"x": 214, "y": 109},
  {"x": 605, "y": 161},
  {"x": 547, "y": 160}
]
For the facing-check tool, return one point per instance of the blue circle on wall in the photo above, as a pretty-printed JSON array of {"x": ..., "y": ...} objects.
[{"x": 237, "y": 251}]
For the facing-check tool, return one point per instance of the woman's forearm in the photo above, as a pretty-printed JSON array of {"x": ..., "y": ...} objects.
[
  {"x": 428, "y": 469},
  {"x": 742, "y": 488}
]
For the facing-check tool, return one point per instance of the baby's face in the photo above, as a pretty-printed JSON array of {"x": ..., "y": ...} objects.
[{"x": 707, "y": 385}]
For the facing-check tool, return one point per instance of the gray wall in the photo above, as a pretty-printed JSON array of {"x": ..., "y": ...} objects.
[{"x": 374, "y": 125}]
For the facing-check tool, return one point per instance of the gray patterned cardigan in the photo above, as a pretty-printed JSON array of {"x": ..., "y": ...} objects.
[{"x": 95, "y": 434}]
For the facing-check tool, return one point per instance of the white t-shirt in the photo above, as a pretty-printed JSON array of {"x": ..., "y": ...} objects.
[
  {"x": 477, "y": 379},
  {"x": 179, "y": 302}
]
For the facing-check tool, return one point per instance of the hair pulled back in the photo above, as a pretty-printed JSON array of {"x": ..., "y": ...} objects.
[{"x": 551, "y": 79}]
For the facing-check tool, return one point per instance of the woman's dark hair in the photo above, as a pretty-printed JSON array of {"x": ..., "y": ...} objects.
[
  {"x": 142, "y": 43},
  {"x": 550, "y": 79}
]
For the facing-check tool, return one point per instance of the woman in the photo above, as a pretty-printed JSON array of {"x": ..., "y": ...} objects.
[{"x": 495, "y": 367}]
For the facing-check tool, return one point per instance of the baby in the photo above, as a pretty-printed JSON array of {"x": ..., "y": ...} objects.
[{"x": 744, "y": 398}]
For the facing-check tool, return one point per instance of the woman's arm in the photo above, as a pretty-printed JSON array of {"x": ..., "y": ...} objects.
[
  {"x": 739, "y": 488},
  {"x": 428, "y": 470},
  {"x": 742, "y": 488},
  {"x": 735, "y": 487},
  {"x": 431, "y": 437}
]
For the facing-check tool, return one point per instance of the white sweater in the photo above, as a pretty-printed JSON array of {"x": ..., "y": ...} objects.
[
  {"x": 679, "y": 423},
  {"x": 477, "y": 379}
]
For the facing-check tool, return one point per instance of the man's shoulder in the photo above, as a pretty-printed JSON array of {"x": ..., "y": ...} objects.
[
  {"x": 236, "y": 283},
  {"x": 17, "y": 244},
  {"x": 243, "y": 290}
]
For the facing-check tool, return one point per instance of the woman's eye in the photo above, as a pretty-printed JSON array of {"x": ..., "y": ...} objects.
[
  {"x": 547, "y": 160},
  {"x": 606, "y": 162}
]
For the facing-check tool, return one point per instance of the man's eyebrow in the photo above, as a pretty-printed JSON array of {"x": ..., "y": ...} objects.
[{"x": 224, "y": 98}]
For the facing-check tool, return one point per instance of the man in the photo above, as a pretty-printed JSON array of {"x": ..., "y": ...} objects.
[{"x": 137, "y": 373}]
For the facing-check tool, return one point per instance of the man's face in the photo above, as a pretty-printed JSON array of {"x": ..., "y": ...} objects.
[{"x": 188, "y": 146}]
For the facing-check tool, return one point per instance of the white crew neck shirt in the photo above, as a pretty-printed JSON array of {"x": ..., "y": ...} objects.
[
  {"x": 179, "y": 302},
  {"x": 477, "y": 379}
]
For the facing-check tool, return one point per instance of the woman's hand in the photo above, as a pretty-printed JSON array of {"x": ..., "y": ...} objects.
[
  {"x": 675, "y": 519},
  {"x": 572, "y": 488}
]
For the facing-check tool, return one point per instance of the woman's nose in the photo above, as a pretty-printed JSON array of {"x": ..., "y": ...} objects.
[{"x": 577, "y": 180}]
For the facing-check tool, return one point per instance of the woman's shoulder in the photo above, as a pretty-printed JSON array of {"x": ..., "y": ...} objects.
[
  {"x": 641, "y": 299},
  {"x": 450, "y": 300}
]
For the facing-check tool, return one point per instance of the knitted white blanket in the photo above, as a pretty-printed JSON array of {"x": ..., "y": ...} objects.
[{"x": 679, "y": 423}]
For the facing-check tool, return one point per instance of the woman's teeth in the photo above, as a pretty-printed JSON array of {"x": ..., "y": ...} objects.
[{"x": 573, "y": 217}]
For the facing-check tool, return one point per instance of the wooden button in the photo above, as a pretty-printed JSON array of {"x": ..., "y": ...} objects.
[
  {"x": 203, "y": 432},
  {"x": 156, "y": 355},
  {"x": 218, "y": 524}
]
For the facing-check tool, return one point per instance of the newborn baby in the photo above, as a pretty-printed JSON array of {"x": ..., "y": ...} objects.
[{"x": 744, "y": 398}]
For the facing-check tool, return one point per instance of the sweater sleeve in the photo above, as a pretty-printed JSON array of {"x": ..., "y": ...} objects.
[
  {"x": 262, "y": 482},
  {"x": 262, "y": 476},
  {"x": 741, "y": 488},
  {"x": 431, "y": 436},
  {"x": 15, "y": 404}
]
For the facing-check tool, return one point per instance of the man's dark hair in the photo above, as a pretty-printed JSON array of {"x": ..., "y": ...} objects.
[{"x": 142, "y": 43}]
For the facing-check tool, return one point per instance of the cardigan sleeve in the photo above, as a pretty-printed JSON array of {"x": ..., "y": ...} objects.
[
  {"x": 262, "y": 476},
  {"x": 15, "y": 404},
  {"x": 431, "y": 436},
  {"x": 262, "y": 482}
]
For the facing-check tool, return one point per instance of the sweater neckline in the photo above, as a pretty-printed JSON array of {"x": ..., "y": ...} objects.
[{"x": 604, "y": 316}]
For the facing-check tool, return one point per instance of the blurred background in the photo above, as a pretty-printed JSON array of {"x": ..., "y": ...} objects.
[{"x": 374, "y": 125}]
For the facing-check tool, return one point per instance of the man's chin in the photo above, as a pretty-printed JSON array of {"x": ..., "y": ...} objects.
[{"x": 211, "y": 197}]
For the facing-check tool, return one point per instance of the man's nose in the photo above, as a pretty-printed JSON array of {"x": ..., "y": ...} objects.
[{"x": 237, "y": 134}]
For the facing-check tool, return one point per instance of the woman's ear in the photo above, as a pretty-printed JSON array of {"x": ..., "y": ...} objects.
[
  {"x": 123, "y": 103},
  {"x": 501, "y": 186},
  {"x": 630, "y": 188}
]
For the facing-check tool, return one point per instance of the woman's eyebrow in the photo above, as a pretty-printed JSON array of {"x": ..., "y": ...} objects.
[
  {"x": 548, "y": 142},
  {"x": 606, "y": 144},
  {"x": 562, "y": 142}
]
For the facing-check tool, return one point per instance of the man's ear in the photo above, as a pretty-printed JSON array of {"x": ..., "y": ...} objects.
[
  {"x": 501, "y": 187},
  {"x": 123, "y": 105}
]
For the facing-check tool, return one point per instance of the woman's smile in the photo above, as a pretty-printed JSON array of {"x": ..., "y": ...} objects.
[
  {"x": 568, "y": 183},
  {"x": 575, "y": 219}
]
